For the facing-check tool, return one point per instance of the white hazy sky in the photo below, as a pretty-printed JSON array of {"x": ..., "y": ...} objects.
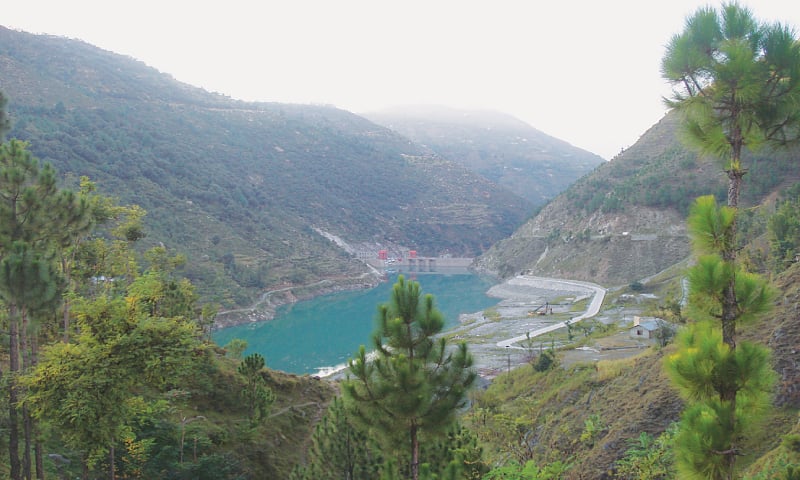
[{"x": 584, "y": 71}]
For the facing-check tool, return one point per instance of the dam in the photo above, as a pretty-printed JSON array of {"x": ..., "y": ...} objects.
[{"x": 415, "y": 263}]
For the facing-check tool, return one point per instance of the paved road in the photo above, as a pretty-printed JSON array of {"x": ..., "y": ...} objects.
[{"x": 556, "y": 284}]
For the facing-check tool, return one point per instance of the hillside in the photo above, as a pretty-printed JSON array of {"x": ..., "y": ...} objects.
[
  {"x": 248, "y": 192},
  {"x": 503, "y": 149},
  {"x": 625, "y": 221},
  {"x": 621, "y": 225},
  {"x": 590, "y": 413}
]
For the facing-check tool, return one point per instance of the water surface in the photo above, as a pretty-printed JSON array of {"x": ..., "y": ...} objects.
[{"x": 326, "y": 331}]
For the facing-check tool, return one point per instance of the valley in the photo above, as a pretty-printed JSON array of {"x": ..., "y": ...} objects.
[{"x": 191, "y": 220}]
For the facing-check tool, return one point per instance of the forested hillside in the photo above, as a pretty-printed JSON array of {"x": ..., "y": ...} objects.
[
  {"x": 507, "y": 151},
  {"x": 243, "y": 189}
]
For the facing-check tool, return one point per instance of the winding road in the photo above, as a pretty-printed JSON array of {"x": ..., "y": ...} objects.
[{"x": 557, "y": 284}]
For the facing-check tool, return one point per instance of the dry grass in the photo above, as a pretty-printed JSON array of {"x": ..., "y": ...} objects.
[{"x": 610, "y": 369}]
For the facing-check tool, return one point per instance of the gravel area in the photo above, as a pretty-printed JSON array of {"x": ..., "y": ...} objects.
[{"x": 499, "y": 342}]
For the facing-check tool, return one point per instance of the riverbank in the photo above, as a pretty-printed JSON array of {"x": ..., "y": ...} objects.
[
  {"x": 268, "y": 303},
  {"x": 530, "y": 307},
  {"x": 265, "y": 307},
  {"x": 532, "y": 315}
]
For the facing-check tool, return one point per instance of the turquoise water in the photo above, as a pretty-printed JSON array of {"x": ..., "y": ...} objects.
[{"x": 328, "y": 330}]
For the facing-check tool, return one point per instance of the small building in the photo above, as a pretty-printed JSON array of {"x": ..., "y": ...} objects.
[{"x": 645, "y": 328}]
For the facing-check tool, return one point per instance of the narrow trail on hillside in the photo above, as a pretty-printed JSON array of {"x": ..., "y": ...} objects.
[
  {"x": 264, "y": 298},
  {"x": 295, "y": 407}
]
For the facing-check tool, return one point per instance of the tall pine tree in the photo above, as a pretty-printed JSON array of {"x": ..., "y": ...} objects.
[
  {"x": 34, "y": 214},
  {"x": 737, "y": 86},
  {"x": 416, "y": 382},
  {"x": 257, "y": 396},
  {"x": 705, "y": 369}
]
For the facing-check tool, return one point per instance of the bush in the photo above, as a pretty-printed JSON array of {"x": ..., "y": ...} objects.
[
  {"x": 546, "y": 361},
  {"x": 636, "y": 286}
]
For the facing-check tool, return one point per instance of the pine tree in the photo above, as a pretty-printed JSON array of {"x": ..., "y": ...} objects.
[
  {"x": 257, "y": 396},
  {"x": 737, "y": 87},
  {"x": 34, "y": 214},
  {"x": 726, "y": 389},
  {"x": 456, "y": 454},
  {"x": 340, "y": 450},
  {"x": 416, "y": 382},
  {"x": 29, "y": 285}
]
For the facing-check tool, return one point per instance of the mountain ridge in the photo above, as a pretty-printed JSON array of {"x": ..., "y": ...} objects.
[
  {"x": 625, "y": 220},
  {"x": 241, "y": 187},
  {"x": 496, "y": 145}
]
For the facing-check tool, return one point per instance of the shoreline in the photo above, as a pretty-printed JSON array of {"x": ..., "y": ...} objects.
[
  {"x": 517, "y": 297},
  {"x": 264, "y": 309},
  {"x": 492, "y": 341},
  {"x": 566, "y": 285}
]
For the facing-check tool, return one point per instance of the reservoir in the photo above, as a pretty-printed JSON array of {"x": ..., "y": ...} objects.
[{"x": 322, "y": 333}]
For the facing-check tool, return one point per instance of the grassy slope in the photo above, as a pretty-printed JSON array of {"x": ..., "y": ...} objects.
[{"x": 272, "y": 449}]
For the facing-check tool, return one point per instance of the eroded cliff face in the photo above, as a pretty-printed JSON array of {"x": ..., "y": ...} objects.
[
  {"x": 610, "y": 249},
  {"x": 623, "y": 222},
  {"x": 626, "y": 220}
]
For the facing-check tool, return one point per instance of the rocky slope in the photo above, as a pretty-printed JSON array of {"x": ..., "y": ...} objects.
[{"x": 626, "y": 220}]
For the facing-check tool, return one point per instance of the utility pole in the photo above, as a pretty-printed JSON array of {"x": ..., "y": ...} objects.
[{"x": 508, "y": 351}]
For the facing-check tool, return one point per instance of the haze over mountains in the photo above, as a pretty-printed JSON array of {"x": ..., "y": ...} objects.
[
  {"x": 251, "y": 193},
  {"x": 502, "y": 148}
]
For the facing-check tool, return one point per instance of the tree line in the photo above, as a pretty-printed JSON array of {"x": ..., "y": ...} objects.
[{"x": 97, "y": 335}]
